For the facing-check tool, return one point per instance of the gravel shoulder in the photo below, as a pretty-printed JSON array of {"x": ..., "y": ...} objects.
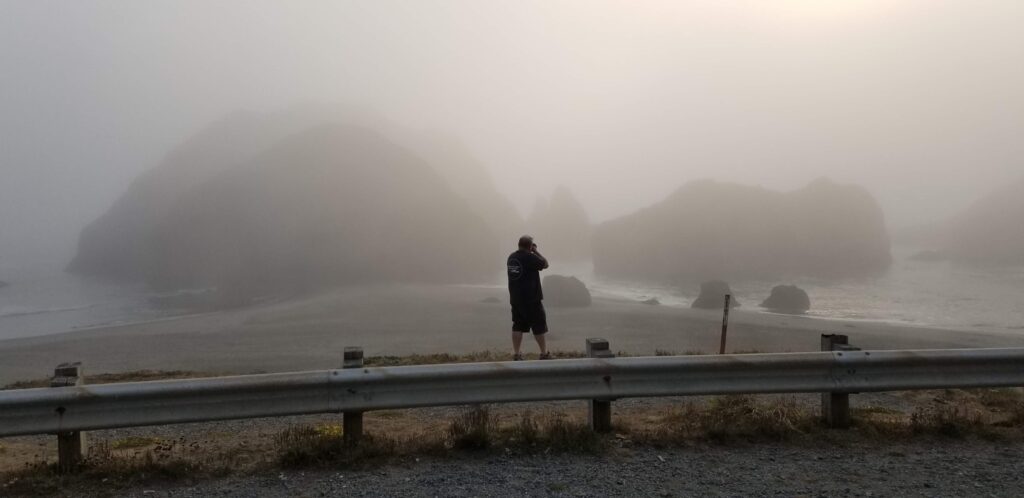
[
  {"x": 923, "y": 468},
  {"x": 857, "y": 462}
]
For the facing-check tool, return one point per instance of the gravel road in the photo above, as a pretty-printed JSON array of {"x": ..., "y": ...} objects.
[{"x": 921, "y": 468}]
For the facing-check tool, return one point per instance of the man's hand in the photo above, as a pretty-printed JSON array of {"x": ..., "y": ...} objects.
[{"x": 533, "y": 248}]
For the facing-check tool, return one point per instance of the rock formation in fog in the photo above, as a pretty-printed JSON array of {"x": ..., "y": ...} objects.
[
  {"x": 991, "y": 231},
  {"x": 561, "y": 227},
  {"x": 787, "y": 299},
  {"x": 241, "y": 208},
  {"x": 565, "y": 292},
  {"x": 708, "y": 229},
  {"x": 712, "y": 296},
  {"x": 117, "y": 245}
]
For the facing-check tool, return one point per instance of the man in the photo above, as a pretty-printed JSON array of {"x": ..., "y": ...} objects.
[{"x": 525, "y": 294}]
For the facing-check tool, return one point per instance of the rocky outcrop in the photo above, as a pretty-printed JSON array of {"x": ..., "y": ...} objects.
[
  {"x": 561, "y": 227},
  {"x": 718, "y": 230},
  {"x": 787, "y": 299},
  {"x": 123, "y": 243},
  {"x": 991, "y": 231},
  {"x": 332, "y": 205},
  {"x": 565, "y": 292},
  {"x": 712, "y": 296}
]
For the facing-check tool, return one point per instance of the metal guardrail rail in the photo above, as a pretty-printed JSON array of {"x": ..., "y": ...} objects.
[{"x": 90, "y": 407}]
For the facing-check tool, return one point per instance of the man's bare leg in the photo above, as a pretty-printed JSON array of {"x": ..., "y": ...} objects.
[
  {"x": 517, "y": 341},
  {"x": 541, "y": 342}
]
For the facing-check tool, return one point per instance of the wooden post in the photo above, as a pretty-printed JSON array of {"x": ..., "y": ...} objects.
[
  {"x": 600, "y": 410},
  {"x": 835, "y": 407},
  {"x": 352, "y": 422},
  {"x": 725, "y": 323},
  {"x": 71, "y": 446}
]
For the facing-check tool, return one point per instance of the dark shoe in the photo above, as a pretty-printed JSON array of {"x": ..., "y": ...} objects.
[
  {"x": 545, "y": 356},
  {"x": 517, "y": 357}
]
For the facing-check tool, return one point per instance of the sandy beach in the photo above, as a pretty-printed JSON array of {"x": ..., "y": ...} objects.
[{"x": 311, "y": 332}]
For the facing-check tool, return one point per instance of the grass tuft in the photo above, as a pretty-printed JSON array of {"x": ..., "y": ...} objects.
[
  {"x": 473, "y": 429},
  {"x": 321, "y": 445}
]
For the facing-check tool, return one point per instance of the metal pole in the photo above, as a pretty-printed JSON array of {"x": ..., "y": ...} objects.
[
  {"x": 71, "y": 446},
  {"x": 352, "y": 422},
  {"x": 725, "y": 323},
  {"x": 599, "y": 410}
]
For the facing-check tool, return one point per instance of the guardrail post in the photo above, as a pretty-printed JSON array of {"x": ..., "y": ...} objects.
[
  {"x": 600, "y": 410},
  {"x": 352, "y": 422},
  {"x": 71, "y": 446},
  {"x": 835, "y": 407}
]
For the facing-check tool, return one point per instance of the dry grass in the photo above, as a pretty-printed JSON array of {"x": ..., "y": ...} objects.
[
  {"x": 305, "y": 446},
  {"x": 474, "y": 429},
  {"x": 478, "y": 429},
  {"x": 730, "y": 418},
  {"x": 108, "y": 468},
  {"x": 110, "y": 378}
]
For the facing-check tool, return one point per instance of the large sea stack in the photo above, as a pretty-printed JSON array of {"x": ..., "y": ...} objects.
[
  {"x": 561, "y": 227},
  {"x": 333, "y": 204},
  {"x": 991, "y": 231},
  {"x": 708, "y": 230}
]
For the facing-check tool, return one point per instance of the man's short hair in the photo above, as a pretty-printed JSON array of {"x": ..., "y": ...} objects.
[{"x": 525, "y": 242}]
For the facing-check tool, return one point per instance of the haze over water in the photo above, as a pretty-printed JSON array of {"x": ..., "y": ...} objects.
[{"x": 917, "y": 102}]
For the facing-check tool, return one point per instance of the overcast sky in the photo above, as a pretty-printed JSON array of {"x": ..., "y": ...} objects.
[{"x": 919, "y": 100}]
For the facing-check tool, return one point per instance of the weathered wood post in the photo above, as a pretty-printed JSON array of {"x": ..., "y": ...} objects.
[
  {"x": 725, "y": 323},
  {"x": 600, "y": 410},
  {"x": 835, "y": 407},
  {"x": 352, "y": 422},
  {"x": 71, "y": 446}
]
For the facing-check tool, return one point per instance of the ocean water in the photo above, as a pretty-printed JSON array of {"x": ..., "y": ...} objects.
[
  {"x": 38, "y": 303},
  {"x": 936, "y": 294}
]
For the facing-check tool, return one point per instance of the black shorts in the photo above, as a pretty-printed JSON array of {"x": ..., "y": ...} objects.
[{"x": 528, "y": 317}]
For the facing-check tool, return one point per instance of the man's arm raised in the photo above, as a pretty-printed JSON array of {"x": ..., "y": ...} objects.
[{"x": 541, "y": 260}]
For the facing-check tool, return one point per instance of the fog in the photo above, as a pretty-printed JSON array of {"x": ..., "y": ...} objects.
[{"x": 917, "y": 101}]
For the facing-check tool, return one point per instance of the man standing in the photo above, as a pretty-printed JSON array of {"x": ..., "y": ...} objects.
[{"x": 526, "y": 296}]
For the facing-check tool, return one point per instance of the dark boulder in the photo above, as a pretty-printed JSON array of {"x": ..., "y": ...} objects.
[
  {"x": 565, "y": 292},
  {"x": 787, "y": 299},
  {"x": 712, "y": 296}
]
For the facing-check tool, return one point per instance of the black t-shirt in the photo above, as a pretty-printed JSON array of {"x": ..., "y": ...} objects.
[{"x": 524, "y": 277}]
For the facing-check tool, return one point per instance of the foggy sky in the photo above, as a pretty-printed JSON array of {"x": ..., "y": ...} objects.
[{"x": 918, "y": 100}]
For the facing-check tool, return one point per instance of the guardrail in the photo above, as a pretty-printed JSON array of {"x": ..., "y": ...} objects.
[{"x": 63, "y": 410}]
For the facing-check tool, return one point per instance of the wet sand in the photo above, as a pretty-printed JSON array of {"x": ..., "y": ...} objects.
[{"x": 311, "y": 332}]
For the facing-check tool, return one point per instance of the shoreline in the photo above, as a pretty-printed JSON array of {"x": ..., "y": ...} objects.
[{"x": 310, "y": 332}]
